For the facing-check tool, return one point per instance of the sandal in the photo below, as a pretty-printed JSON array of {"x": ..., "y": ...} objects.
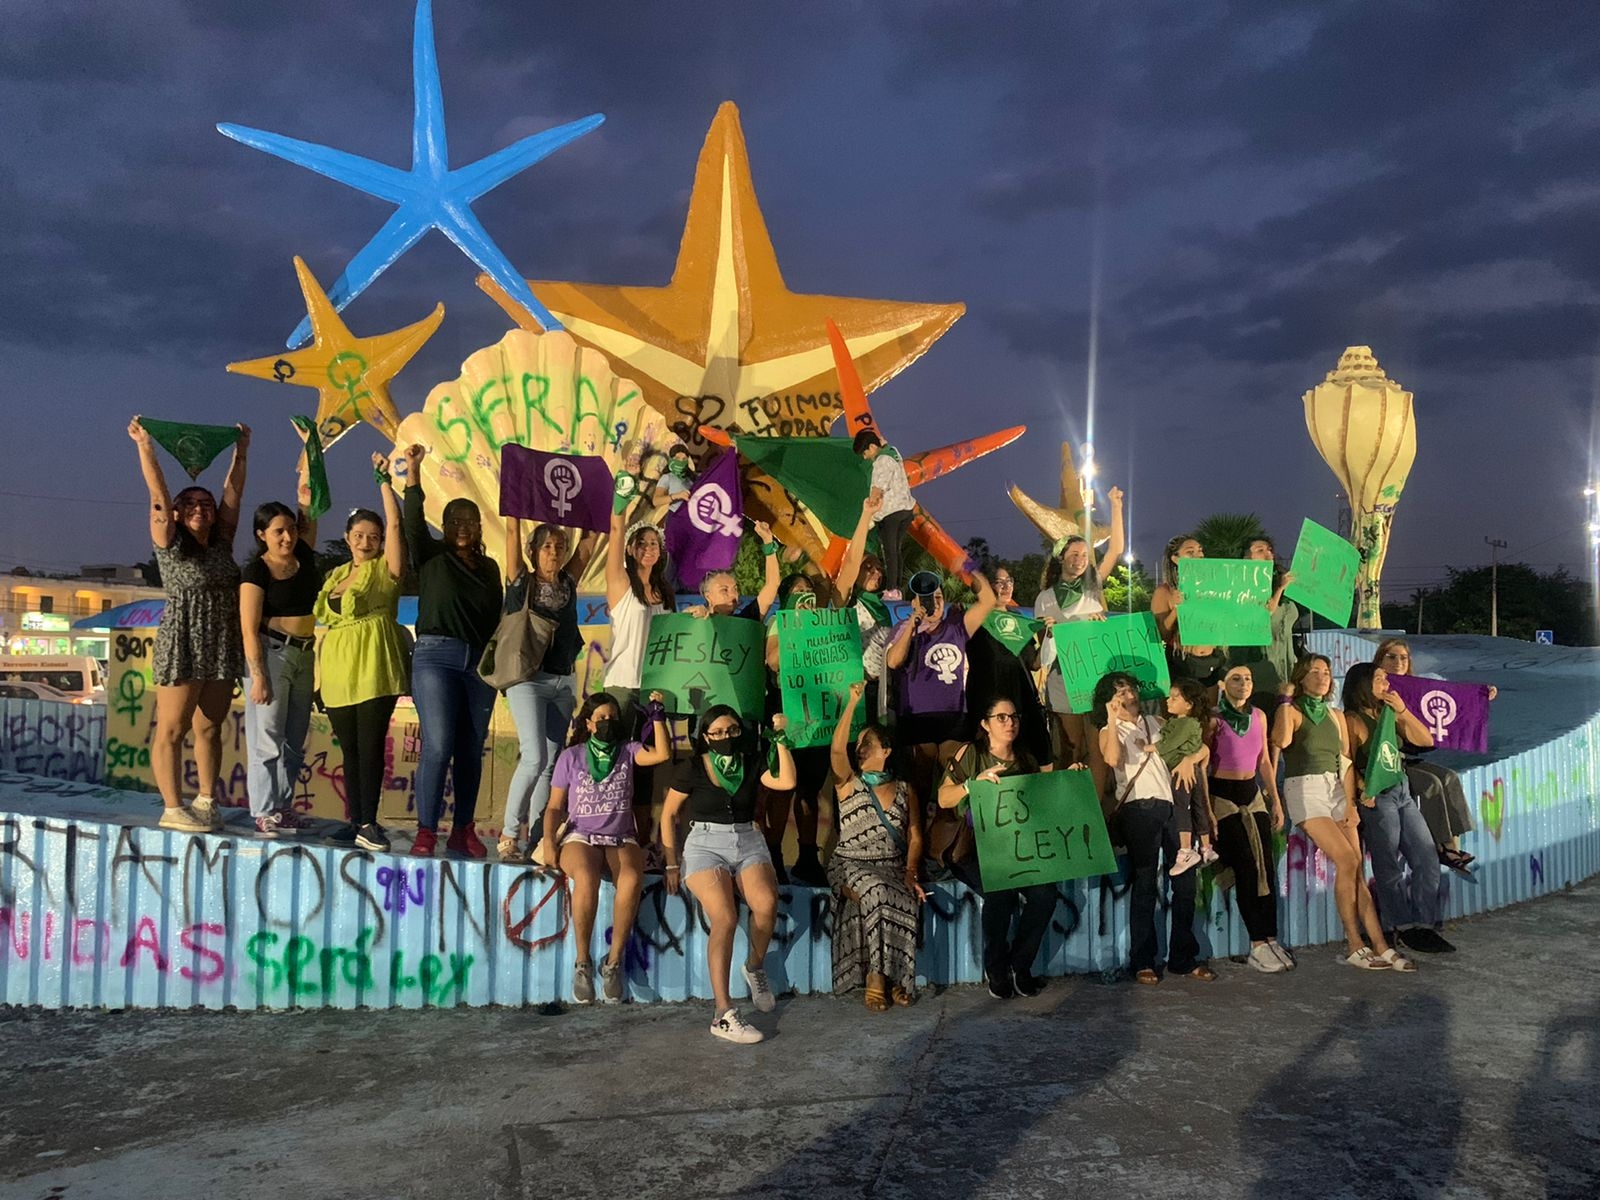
[
  {"x": 1147, "y": 976},
  {"x": 876, "y": 999},
  {"x": 903, "y": 997}
]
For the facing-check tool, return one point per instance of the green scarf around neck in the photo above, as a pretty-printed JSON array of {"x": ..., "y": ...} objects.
[
  {"x": 602, "y": 757},
  {"x": 1315, "y": 708},
  {"x": 1068, "y": 594},
  {"x": 1238, "y": 721},
  {"x": 727, "y": 770}
]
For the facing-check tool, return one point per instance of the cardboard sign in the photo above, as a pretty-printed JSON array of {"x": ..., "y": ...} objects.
[
  {"x": 1324, "y": 570},
  {"x": 1224, "y": 602},
  {"x": 701, "y": 661},
  {"x": 819, "y": 657},
  {"x": 1039, "y": 829},
  {"x": 1087, "y": 650}
]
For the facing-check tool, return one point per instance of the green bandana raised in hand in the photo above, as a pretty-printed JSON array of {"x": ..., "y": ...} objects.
[
  {"x": 194, "y": 446},
  {"x": 876, "y": 608},
  {"x": 798, "y": 601},
  {"x": 316, "y": 470},
  {"x": 728, "y": 770},
  {"x": 602, "y": 757},
  {"x": 1315, "y": 708},
  {"x": 1238, "y": 721}
]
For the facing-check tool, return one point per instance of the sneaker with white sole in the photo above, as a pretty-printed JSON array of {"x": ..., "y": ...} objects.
[
  {"x": 1186, "y": 859},
  {"x": 372, "y": 837},
  {"x": 269, "y": 826},
  {"x": 1285, "y": 955},
  {"x": 292, "y": 822},
  {"x": 583, "y": 983},
  {"x": 205, "y": 808},
  {"x": 1365, "y": 960},
  {"x": 1264, "y": 960},
  {"x": 611, "y": 982},
  {"x": 508, "y": 850},
  {"x": 1397, "y": 961},
  {"x": 182, "y": 820},
  {"x": 760, "y": 990},
  {"x": 731, "y": 1027},
  {"x": 1208, "y": 855}
]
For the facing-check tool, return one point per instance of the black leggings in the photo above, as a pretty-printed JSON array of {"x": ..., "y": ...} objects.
[
  {"x": 1259, "y": 913},
  {"x": 363, "y": 733}
]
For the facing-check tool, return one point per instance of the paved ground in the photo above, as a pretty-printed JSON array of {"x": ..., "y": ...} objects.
[{"x": 1478, "y": 1076}]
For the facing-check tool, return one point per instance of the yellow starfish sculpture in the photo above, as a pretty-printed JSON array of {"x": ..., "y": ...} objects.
[{"x": 351, "y": 374}]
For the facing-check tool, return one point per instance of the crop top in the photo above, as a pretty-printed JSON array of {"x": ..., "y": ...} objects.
[
  {"x": 1234, "y": 753},
  {"x": 295, "y": 596}
]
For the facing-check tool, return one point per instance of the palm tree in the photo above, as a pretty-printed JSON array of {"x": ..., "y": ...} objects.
[{"x": 1227, "y": 535}]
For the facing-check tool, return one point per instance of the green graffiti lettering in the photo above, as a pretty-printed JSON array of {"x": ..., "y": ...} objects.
[
  {"x": 483, "y": 413},
  {"x": 445, "y": 425}
]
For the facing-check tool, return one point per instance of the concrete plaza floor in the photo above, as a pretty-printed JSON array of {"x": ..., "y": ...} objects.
[{"x": 1477, "y": 1076}]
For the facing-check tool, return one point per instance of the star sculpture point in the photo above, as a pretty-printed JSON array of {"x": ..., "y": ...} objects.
[
  {"x": 351, "y": 374},
  {"x": 726, "y": 335},
  {"x": 429, "y": 195}
]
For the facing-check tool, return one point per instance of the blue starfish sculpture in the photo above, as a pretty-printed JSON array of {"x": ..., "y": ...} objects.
[{"x": 430, "y": 195}]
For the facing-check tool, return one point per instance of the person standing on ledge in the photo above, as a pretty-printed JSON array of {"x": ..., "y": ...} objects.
[{"x": 893, "y": 489}]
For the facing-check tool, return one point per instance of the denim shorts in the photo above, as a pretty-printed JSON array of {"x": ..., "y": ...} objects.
[
  {"x": 1310, "y": 796},
  {"x": 712, "y": 846}
]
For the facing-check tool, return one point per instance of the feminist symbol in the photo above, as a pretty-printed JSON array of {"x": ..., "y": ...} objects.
[
  {"x": 283, "y": 370},
  {"x": 946, "y": 659},
  {"x": 711, "y": 511},
  {"x": 563, "y": 482},
  {"x": 1439, "y": 709},
  {"x": 129, "y": 690}
]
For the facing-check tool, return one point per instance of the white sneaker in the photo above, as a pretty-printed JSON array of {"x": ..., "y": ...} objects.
[
  {"x": 731, "y": 1027},
  {"x": 1365, "y": 960},
  {"x": 1284, "y": 956},
  {"x": 1264, "y": 960},
  {"x": 182, "y": 820},
  {"x": 760, "y": 990},
  {"x": 1185, "y": 860},
  {"x": 205, "y": 808}
]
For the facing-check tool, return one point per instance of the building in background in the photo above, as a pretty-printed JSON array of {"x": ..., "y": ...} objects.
[{"x": 36, "y": 614}]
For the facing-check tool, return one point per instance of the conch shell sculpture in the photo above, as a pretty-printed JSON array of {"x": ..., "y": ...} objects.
[
  {"x": 1362, "y": 424},
  {"x": 1057, "y": 523},
  {"x": 540, "y": 390}
]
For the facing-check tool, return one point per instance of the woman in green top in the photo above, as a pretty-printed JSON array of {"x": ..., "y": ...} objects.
[
  {"x": 1318, "y": 791},
  {"x": 362, "y": 658},
  {"x": 1271, "y": 664}
]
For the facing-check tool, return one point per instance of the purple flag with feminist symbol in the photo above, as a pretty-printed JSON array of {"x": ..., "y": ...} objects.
[
  {"x": 562, "y": 489},
  {"x": 1457, "y": 714},
  {"x": 703, "y": 532}
]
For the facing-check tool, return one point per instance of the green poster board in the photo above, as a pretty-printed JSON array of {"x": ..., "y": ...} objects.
[
  {"x": 1039, "y": 829},
  {"x": 1011, "y": 630},
  {"x": 1086, "y": 650},
  {"x": 1324, "y": 570},
  {"x": 700, "y": 661},
  {"x": 1224, "y": 602},
  {"x": 819, "y": 657}
]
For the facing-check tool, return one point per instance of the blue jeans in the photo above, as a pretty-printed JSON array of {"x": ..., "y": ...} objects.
[
  {"x": 542, "y": 710},
  {"x": 453, "y": 709},
  {"x": 275, "y": 733},
  {"x": 1395, "y": 830}
]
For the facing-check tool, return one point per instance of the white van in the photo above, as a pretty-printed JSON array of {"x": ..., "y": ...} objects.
[{"x": 78, "y": 675}]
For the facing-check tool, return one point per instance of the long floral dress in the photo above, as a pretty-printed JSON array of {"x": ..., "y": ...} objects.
[{"x": 877, "y": 931}]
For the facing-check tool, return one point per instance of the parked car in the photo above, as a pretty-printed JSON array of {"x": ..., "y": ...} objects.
[{"x": 17, "y": 689}]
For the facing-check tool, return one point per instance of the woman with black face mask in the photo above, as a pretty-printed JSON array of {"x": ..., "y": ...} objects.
[
  {"x": 724, "y": 849},
  {"x": 588, "y": 825}
]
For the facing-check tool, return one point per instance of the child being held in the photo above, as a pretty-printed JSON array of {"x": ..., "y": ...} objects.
[{"x": 1181, "y": 748}]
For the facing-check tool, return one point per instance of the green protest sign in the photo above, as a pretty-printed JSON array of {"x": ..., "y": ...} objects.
[
  {"x": 1010, "y": 630},
  {"x": 1224, "y": 602},
  {"x": 1039, "y": 829},
  {"x": 819, "y": 657},
  {"x": 1086, "y": 650},
  {"x": 1324, "y": 570},
  {"x": 700, "y": 661}
]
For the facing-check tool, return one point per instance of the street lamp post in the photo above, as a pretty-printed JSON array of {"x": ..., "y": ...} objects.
[{"x": 1494, "y": 585}]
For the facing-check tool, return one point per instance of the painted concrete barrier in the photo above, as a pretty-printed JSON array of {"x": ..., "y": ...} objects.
[{"x": 100, "y": 908}]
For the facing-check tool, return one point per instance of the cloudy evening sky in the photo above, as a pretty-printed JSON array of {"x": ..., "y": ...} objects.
[{"x": 1256, "y": 186}]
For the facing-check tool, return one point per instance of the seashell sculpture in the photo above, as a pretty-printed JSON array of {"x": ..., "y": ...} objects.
[
  {"x": 540, "y": 390},
  {"x": 1362, "y": 424}
]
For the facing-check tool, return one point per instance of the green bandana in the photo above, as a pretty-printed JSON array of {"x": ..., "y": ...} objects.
[
  {"x": 876, "y": 608},
  {"x": 1238, "y": 721},
  {"x": 602, "y": 757},
  {"x": 679, "y": 467},
  {"x": 1011, "y": 631},
  {"x": 316, "y": 471},
  {"x": 798, "y": 601},
  {"x": 194, "y": 446},
  {"x": 1383, "y": 755},
  {"x": 1068, "y": 594},
  {"x": 728, "y": 770},
  {"x": 1314, "y": 707},
  {"x": 780, "y": 737},
  {"x": 890, "y": 451}
]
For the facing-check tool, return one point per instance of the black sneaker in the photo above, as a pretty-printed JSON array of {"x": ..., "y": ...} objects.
[
  {"x": 1000, "y": 986},
  {"x": 1027, "y": 984},
  {"x": 345, "y": 835},
  {"x": 1425, "y": 941},
  {"x": 372, "y": 837}
]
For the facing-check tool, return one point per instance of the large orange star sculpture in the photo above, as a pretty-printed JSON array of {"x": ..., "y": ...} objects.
[
  {"x": 726, "y": 343},
  {"x": 351, "y": 374}
]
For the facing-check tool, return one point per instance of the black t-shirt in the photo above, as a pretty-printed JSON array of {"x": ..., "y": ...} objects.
[
  {"x": 708, "y": 801},
  {"x": 566, "y": 643},
  {"x": 295, "y": 596}
]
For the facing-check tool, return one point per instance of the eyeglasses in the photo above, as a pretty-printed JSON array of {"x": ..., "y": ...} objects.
[{"x": 1010, "y": 718}]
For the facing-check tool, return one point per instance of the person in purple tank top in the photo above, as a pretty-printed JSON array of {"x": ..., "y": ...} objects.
[{"x": 928, "y": 653}]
